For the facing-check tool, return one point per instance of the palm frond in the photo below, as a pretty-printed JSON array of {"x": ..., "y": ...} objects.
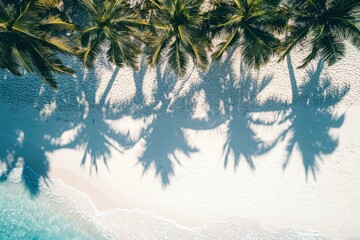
[
  {"x": 331, "y": 49},
  {"x": 61, "y": 44},
  {"x": 178, "y": 60},
  {"x": 313, "y": 54},
  {"x": 231, "y": 41},
  {"x": 297, "y": 34},
  {"x": 56, "y": 23},
  {"x": 249, "y": 24},
  {"x": 32, "y": 38},
  {"x": 181, "y": 22},
  {"x": 114, "y": 22},
  {"x": 11, "y": 62},
  {"x": 155, "y": 49},
  {"x": 327, "y": 24},
  {"x": 47, "y": 4},
  {"x": 42, "y": 68},
  {"x": 24, "y": 58},
  {"x": 91, "y": 8},
  {"x": 91, "y": 52},
  {"x": 258, "y": 46},
  {"x": 85, "y": 35},
  {"x": 4, "y": 16},
  {"x": 124, "y": 52}
]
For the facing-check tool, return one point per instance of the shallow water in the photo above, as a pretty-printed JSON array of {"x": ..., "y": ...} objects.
[
  {"x": 61, "y": 212},
  {"x": 26, "y": 217}
]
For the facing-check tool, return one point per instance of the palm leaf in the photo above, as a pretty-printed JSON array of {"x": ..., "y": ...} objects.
[
  {"x": 298, "y": 33},
  {"x": 91, "y": 8},
  {"x": 56, "y": 23},
  {"x": 178, "y": 61},
  {"x": 86, "y": 33},
  {"x": 24, "y": 58},
  {"x": 33, "y": 38},
  {"x": 91, "y": 53},
  {"x": 327, "y": 23},
  {"x": 258, "y": 46},
  {"x": 112, "y": 29},
  {"x": 124, "y": 51},
  {"x": 331, "y": 48},
  {"x": 11, "y": 62},
  {"x": 231, "y": 41},
  {"x": 155, "y": 50},
  {"x": 42, "y": 68}
]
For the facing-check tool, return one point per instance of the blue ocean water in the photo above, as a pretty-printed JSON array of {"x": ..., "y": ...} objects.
[{"x": 25, "y": 217}]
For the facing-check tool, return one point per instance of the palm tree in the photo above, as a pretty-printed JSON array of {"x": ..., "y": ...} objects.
[
  {"x": 30, "y": 39},
  {"x": 325, "y": 24},
  {"x": 112, "y": 24},
  {"x": 249, "y": 24},
  {"x": 177, "y": 32}
]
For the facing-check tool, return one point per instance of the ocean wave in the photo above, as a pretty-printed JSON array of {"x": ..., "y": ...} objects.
[{"x": 122, "y": 223}]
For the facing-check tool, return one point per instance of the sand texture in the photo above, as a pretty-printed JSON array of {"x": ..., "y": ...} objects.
[{"x": 280, "y": 146}]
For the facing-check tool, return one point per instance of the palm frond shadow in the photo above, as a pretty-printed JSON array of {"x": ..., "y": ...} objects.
[
  {"x": 86, "y": 121},
  {"x": 242, "y": 140},
  {"x": 23, "y": 136},
  {"x": 91, "y": 128},
  {"x": 18, "y": 152},
  {"x": 79, "y": 121},
  {"x": 311, "y": 117},
  {"x": 234, "y": 99},
  {"x": 165, "y": 141}
]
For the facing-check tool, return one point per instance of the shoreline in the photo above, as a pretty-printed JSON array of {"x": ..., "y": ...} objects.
[
  {"x": 70, "y": 197},
  {"x": 107, "y": 190}
]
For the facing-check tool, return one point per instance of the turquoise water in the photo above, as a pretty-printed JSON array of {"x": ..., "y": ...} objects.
[
  {"x": 50, "y": 215},
  {"x": 26, "y": 217}
]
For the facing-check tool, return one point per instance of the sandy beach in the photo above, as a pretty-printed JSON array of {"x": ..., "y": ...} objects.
[{"x": 191, "y": 157}]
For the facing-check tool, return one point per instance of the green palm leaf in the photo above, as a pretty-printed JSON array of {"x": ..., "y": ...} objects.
[
  {"x": 112, "y": 27},
  {"x": 31, "y": 38},
  {"x": 248, "y": 24},
  {"x": 178, "y": 60},
  {"x": 325, "y": 25},
  {"x": 177, "y": 29},
  {"x": 156, "y": 46},
  {"x": 331, "y": 48},
  {"x": 231, "y": 41}
]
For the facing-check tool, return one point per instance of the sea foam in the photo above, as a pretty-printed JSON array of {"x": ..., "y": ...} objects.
[{"x": 63, "y": 212}]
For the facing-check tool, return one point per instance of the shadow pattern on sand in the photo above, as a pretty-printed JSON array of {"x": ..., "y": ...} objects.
[
  {"x": 22, "y": 134},
  {"x": 311, "y": 116},
  {"x": 44, "y": 124},
  {"x": 91, "y": 130}
]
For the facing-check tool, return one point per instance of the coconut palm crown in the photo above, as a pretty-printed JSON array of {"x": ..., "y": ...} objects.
[
  {"x": 112, "y": 25},
  {"x": 324, "y": 24},
  {"x": 177, "y": 35},
  {"x": 31, "y": 39},
  {"x": 250, "y": 24}
]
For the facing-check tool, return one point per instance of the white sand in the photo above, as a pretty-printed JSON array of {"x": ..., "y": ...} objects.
[{"x": 201, "y": 190}]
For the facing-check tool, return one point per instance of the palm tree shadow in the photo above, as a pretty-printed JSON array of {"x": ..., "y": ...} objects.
[
  {"x": 232, "y": 100},
  {"x": 23, "y": 144},
  {"x": 242, "y": 140},
  {"x": 91, "y": 130},
  {"x": 27, "y": 156},
  {"x": 164, "y": 138},
  {"x": 311, "y": 117}
]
